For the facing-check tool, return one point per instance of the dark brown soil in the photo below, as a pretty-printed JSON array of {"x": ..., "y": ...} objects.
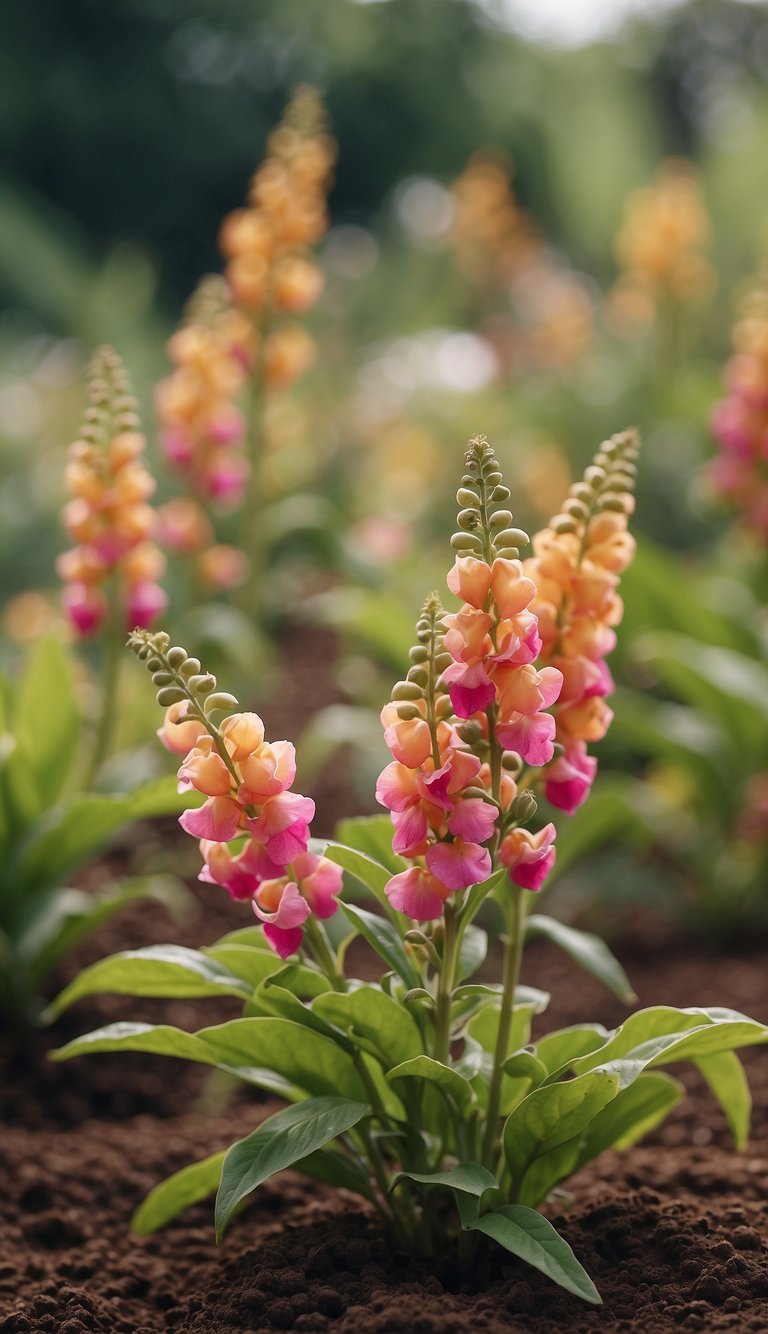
[{"x": 673, "y": 1231}]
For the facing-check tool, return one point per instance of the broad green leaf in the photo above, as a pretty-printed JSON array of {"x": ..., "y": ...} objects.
[
  {"x": 279, "y": 1142},
  {"x": 58, "y": 918},
  {"x": 46, "y": 722},
  {"x": 252, "y": 936},
  {"x": 371, "y": 874},
  {"x": 473, "y": 951},
  {"x": 169, "y": 971},
  {"x": 588, "y": 951},
  {"x": 662, "y": 1034},
  {"x": 468, "y": 1178},
  {"x": 454, "y": 1085},
  {"x": 254, "y": 966},
  {"x": 305, "y": 1059},
  {"x": 531, "y": 1238},
  {"x": 79, "y": 826},
  {"x": 552, "y": 1115},
  {"x": 158, "y": 1039},
  {"x": 271, "y": 998},
  {"x": 335, "y": 1168},
  {"x": 372, "y": 835},
  {"x": 557, "y": 1050},
  {"x": 525, "y": 1065},
  {"x": 387, "y": 1028},
  {"x": 725, "y": 1075},
  {"x": 178, "y": 1192},
  {"x": 634, "y": 1112},
  {"x": 484, "y": 1025},
  {"x": 163, "y": 1040},
  {"x": 384, "y": 938}
]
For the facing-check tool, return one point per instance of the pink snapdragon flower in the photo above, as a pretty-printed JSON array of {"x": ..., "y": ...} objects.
[{"x": 247, "y": 782}]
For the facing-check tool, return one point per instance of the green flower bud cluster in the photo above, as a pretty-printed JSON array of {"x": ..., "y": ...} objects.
[
  {"x": 428, "y": 659},
  {"x": 485, "y": 529},
  {"x": 178, "y": 676},
  {"x": 112, "y": 408},
  {"x": 607, "y": 484}
]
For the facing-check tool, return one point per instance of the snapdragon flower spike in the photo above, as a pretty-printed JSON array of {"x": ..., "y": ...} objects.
[
  {"x": 471, "y": 712},
  {"x": 115, "y": 560},
  {"x": 253, "y": 829},
  {"x": 202, "y": 430},
  {"x": 427, "y": 787},
  {"x": 740, "y": 420},
  {"x": 494, "y": 639},
  {"x": 576, "y": 567}
]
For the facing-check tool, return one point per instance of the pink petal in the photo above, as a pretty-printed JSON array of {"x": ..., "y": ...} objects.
[
  {"x": 473, "y": 819},
  {"x": 459, "y": 865},
  {"x": 568, "y": 781},
  {"x": 550, "y": 684},
  {"x": 283, "y": 942},
  {"x": 410, "y": 829},
  {"x": 415, "y": 893},
  {"x": 217, "y": 819},
  {"x": 531, "y": 875},
  {"x": 292, "y": 910},
  {"x": 532, "y": 737}
]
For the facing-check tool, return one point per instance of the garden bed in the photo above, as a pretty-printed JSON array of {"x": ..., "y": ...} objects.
[{"x": 673, "y": 1231}]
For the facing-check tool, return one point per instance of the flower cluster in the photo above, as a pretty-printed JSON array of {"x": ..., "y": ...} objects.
[
  {"x": 470, "y": 714},
  {"x": 495, "y": 239},
  {"x": 740, "y": 420},
  {"x": 659, "y": 247},
  {"x": 115, "y": 562},
  {"x": 576, "y": 566},
  {"x": 253, "y": 830},
  {"x": 201, "y": 429},
  {"x": 266, "y": 244}
]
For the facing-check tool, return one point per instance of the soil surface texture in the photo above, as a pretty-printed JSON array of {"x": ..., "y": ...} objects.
[{"x": 673, "y": 1231}]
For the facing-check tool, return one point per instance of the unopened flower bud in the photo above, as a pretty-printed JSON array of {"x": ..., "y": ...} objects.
[
  {"x": 170, "y": 695},
  {"x": 466, "y": 542},
  {"x": 176, "y": 656},
  {"x": 466, "y": 498},
  {"x": 404, "y": 690},
  {"x": 407, "y": 712},
  {"x": 220, "y": 700},
  {"x": 524, "y": 807}
]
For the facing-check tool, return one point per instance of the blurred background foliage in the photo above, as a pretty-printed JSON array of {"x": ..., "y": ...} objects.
[{"x": 130, "y": 128}]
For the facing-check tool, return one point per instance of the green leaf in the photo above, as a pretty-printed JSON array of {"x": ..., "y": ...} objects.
[
  {"x": 634, "y": 1112},
  {"x": 559, "y": 1049},
  {"x": 531, "y": 1238},
  {"x": 552, "y": 1115},
  {"x": 467, "y": 1178},
  {"x": 387, "y": 1028},
  {"x": 587, "y": 950},
  {"x": 454, "y": 1085},
  {"x": 167, "y": 1200},
  {"x": 279, "y": 1142},
  {"x": 367, "y": 870},
  {"x": 305, "y": 1059},
  {"x": 254, "y": 966},
  {"x": 77, "y": 828},
  {"x": 334, "y": 1168},
  {"x": 662, "y": 1033},
  {"x": 525, "y": 1065},
  {"x": 169, "y": 971},
  {"x": 58, "y": 918},
  {"x": 271, "y": 998},
  {"x": 484, "y": 1025},
  {"x": 725, "y": 1075},
  {"x": 371, "y": 835},
  {"x": 46, "y": 723},
  {"x": 158, "y": 1039},
  {"x": 383, "y": 937}
]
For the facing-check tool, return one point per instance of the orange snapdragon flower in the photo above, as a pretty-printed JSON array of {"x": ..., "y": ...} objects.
[{"x": 576, "y": 566}]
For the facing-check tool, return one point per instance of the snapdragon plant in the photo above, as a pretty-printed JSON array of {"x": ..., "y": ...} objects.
[{"x": 422, "y": 1091}]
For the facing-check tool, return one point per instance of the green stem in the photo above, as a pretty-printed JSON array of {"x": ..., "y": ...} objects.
[
  {"x": 513, "y": 951},
  {"x": 445, "y": 986}
]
